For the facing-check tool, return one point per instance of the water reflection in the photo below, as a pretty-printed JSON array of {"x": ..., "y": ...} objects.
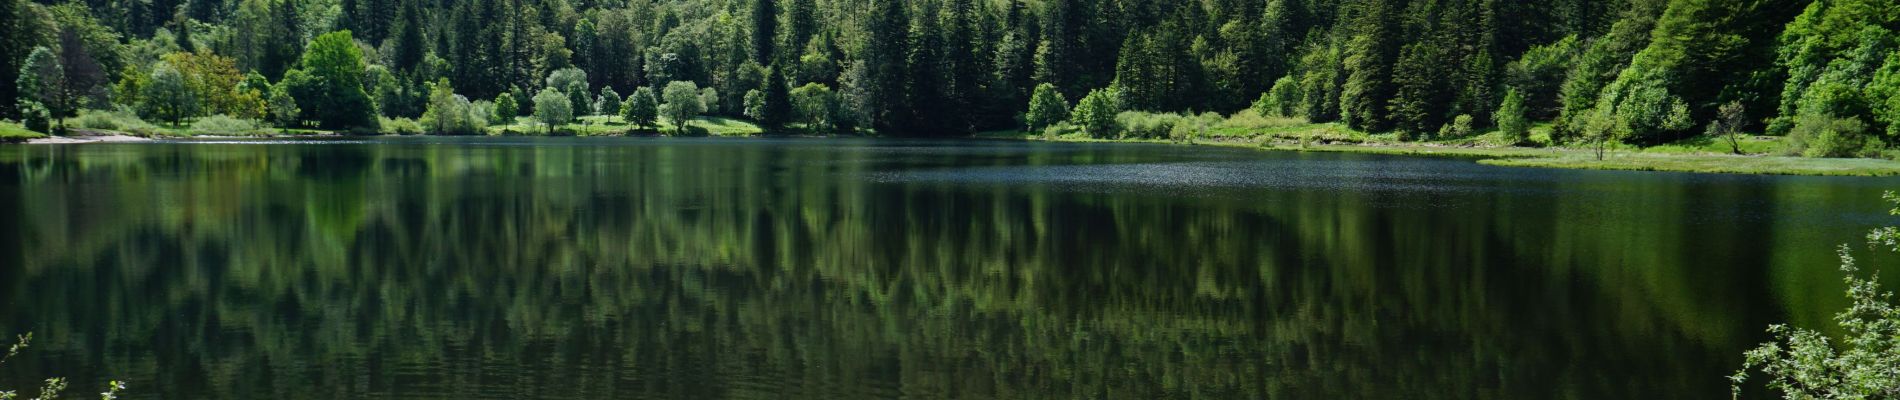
[{"x": 581, "y": 268}]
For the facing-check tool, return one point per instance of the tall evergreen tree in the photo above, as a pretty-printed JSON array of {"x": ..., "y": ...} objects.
[
  {"x": 410, "y": 47},
  {"x": 886, "y": 49},
  {"x": 764, "y": 30},
  {"x": 1369, "y": 57},
  {"x": 14, "y": 46}
]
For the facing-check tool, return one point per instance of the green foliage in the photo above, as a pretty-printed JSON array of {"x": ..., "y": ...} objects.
[
  {"x": 817, "y": 106},
  {"x": 754, "y": 104},
  {"x": 167, "y": 95},
  {"x": 1095, "y": 114},
  {"x": 1046, "y": 108},
  {"x": 641, "y": 108},
  {"x": 52, "y": 386},
  {"x": 1728, "y": 125},
  {"x": 225, "y": 125},
  {"x": 1598, "y": 65},
  {"x": 1283, "y": 100},
  {"x": 776, "y": 104},
  {"x": 1809, "y": 364},
  {"x": 682, "y": 104},
  {"x": 393, "y": 126},
  {"x": 1824, "y": 135},
  {"x": 451, "y": 114},
  {"x": 552, "y": 109},
  {"x": 1145, "y": 125},
  {"x": 39, "y": 75},
  {"x": 1512, "y": 119},
  {"x": 505, "y": 109},
  {"x": 283, "y": 107},
  {"x": 34, "y": 117},
  {"x": 331, "y": 84},
  {"x": 1322, "y": 83},
  {"x": 120, "y": 120},
  {"x": 1369, "y": 56},
  {"x": 608, "y": 102},
  {"x": 1538, "y": 76},
  {"x": 1459, "y": 127}
]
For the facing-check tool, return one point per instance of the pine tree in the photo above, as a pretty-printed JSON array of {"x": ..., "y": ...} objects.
[
  {"x": 764, "y": 30},
  {"x": 409, "y": 44},
  {"x": 1369, "y": 58},
  {"x": 776, "y": 107},
  {"x": 1511, "y": 118},
  {"x": 885, "y": 54},
  {"x": 14, "y": 47}
]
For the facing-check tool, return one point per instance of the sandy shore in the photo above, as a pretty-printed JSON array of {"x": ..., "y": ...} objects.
[{"x": 86, "y": 139}]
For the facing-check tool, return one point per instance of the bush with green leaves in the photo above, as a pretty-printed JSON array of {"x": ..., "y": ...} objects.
[
  {"x": 816, "y": 106},
  {"x": 1047, "y": 107},
  {"x": 283, "y": 107},
  {"x": 1459, "y": 126},
  {"x": 35, "y": 118},
  {"x": 1095, "y": 114},
  {"x": 1146, "y": 125},
  {"x": 1863, "y": 364},
  {"x": 225, "y": 125},
  {"x": 121, "y": 119},
  {"x": 552, "y": 109},
  {"x": 1189, "y": 128},
  {"x": 683, "y": 103},
  {"x": 393, "y": 126},
  {"x": 1283, "y": 100},
  {"x": 1511, "y": 118},
  {"x": 641, "y": 108},
  {"x": 608, "y": 102},
  {"x": 505, "y": 108},
  {"x": 1821, "y": 135},
  {"x": 1060, "y": 129},
  {"x": 450, "y": 113}
]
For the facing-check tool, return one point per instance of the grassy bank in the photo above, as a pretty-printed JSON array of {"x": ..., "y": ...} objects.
[
  {"x": 12, "y": 132},
  {"x": 1704, "y": 154}
]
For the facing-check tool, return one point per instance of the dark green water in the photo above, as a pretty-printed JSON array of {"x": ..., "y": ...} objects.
[{"x": 657, "y": 268}]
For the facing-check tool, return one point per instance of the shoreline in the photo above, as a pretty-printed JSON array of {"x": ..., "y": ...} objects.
[
  {"x": 1558, "y": 157},
  {"x": 1517, "y": 157}
]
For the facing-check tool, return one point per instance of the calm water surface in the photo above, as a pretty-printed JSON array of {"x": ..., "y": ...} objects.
[{"x": 719, "y": 268}]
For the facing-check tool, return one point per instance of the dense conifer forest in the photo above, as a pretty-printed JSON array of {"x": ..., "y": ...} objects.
[{"x": 1823, "y": 73}]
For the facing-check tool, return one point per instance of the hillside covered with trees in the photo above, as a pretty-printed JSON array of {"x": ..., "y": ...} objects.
[{"x": 1824, "y": 73}]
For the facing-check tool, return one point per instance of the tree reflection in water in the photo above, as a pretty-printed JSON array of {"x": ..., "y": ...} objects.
[{"x": 565, "y": 268}]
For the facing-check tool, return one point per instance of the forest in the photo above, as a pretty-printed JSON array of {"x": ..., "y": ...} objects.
[{"x": 1824, "y": 75}]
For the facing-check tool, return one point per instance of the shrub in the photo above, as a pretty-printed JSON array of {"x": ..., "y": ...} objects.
[
  {"x": 1457, "y": 128},
  {"x": 1282, "y": 100},
  {"x": 397, "y": 126},
  {"x": 1060, "y": 129},
  {"x": 1145, "y": 125},
  {"x": 122, "y": 119},
  {"x": 504, "y": 112},
  {"x": 225, "y": 125},
  {"x": 36, "y": 118},
  {"x": 1188, "y": 128},
  {"x": 1096, "y": 113},
  {"x": 1046, "y": 107},
  {"x": 1806, "y": 364},
  {"x": 1823, "y": 135}
]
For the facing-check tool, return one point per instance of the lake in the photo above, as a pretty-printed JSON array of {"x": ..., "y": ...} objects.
[{"x": 563, "y": 268}]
